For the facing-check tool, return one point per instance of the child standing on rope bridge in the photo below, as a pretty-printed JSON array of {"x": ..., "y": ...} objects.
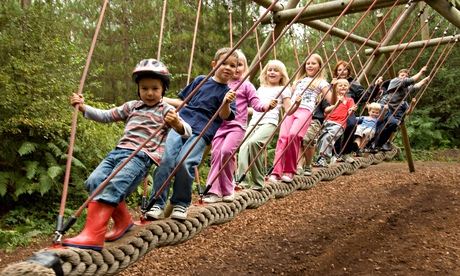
[
  {"x": 272, "y": 79},
  {"x": 336, "y": 120},
  {"x": 394, "y": 99},
  {"x": 199, "y": 110},
  {"x": 230, "y": 135},
  {"x": 143, "y": 117},
  {"x": 310, "y": 83}
]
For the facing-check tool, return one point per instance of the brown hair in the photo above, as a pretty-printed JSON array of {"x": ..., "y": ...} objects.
[{"x": 336, "y": 68}]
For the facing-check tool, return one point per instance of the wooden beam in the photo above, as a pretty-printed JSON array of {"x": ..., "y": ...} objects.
[
  {"x": 328, "y": 9},
  {"x": 447, "y": 10},
  {"x": 266, "y": 3},
  {"x": 413, "y": 45},
  {"x": 324, "y": 27}
]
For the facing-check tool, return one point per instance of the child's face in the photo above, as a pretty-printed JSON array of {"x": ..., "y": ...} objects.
[
  {"x": 374, "y": 113},
  {"x": 403, "y": 75},
  {"x": 150, "y": 91},
  {"x": 312, "y": 66},
  {"x": 342, "y": 88},
  {"x": 342, "y": 72},
  {"x": 227, "y": 70},
  {"x": 273, "y": 76},
  {"x": 239, "y": 70}
]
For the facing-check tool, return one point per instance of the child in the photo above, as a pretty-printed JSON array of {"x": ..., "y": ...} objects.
[
  {"x": 230, "y": 135},
  {"x": 143, "y": 117},
  {"x": 198, "y": 111},
  {"x": 397, "y": 91},
  {"x": 310, "y": 83},
  {"x": 272, "y": 79},
  {"x": 366, "y": 127},
  {"x": 336, "y": 120}
]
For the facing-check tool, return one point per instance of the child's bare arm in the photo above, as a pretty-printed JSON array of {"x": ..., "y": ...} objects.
[
  {"x": 78, "y": 99},
  {"x": 295, "y": 105},
  {"x": 173, "y": 102},
  {"x": 417, "y": 76},
  {"x": 226, "y": 110}
]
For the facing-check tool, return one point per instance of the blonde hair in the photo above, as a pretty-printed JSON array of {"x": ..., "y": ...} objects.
[
  {"x": 242, "y": 57},
  {"x": 321, "y": 75},
  {"x": 375, "y": 106},
  {"x": 334, "y": 89},
  {"x": 280, "y": 67}
]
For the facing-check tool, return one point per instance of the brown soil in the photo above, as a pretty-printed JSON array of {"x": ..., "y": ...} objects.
[{"x": 382, "y": 220}]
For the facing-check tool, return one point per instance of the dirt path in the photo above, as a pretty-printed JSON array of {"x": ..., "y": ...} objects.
[{"x": 379, "y": 221}]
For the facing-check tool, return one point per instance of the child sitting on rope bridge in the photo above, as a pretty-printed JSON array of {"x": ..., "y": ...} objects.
[
  {"x": 230, "y": 134},
  {"x": 273, "y": 78},
  {"x": 198, "y": 111},
  {"x": 366, "y": 126},
  {"x": 336, "y": 120},
  {"x": 394, "y": 99},
  {"x": 143, "y": 118}
]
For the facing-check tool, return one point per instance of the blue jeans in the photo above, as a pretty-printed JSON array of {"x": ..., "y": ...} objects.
[
  {"x": 125, "y": 181},
  {"x": 392, "y": 119},
  {"x": 175, "y": 149}
]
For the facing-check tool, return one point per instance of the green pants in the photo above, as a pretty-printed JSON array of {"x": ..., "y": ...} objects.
[{"x": 249, "y": 150}]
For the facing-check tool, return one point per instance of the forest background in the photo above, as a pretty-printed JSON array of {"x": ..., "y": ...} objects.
[{"x": 43, "y": 49}]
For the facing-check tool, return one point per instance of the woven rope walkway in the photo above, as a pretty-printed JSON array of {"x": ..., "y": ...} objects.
[{"x": 118, "y": 255}]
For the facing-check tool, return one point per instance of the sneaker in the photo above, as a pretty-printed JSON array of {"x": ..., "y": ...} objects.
[
  {"x": 179, "y": 212},
  {"x": 212, "y": 198},
  {"x": 156, "y": 212},
  {"x": 354, "y": 147},
  {"x": 228, "y": 198},
  {"x": 258, "y": 188},
  {"x": 334, "y": 160},
  {"x": 321, "y": 162},
  {"x": 287, "y": 177},
  {"x": 273, "y": 178},
  {"x": 359, "y": 153},
  {"x": 338, "y": 158},
  {"x": 299, "y": 171},
  {"x": 307, "y": 171},
  {"x": 387, "y": 147},
  {"x": 349, "y": 159}
]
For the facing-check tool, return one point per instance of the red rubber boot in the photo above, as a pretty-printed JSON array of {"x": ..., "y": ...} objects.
[
  {"x": 122, "y": 222},
  {"x": 92, "y": 236}
]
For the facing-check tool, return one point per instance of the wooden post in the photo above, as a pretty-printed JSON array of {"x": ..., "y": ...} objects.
[{"x": 407, "y": 149}]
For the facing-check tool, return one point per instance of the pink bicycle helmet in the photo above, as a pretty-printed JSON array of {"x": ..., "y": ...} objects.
[{"x": 152, "y": 68}]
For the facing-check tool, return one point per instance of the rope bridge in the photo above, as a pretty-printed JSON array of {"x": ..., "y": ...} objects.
[{"x": 140, "y": 240}]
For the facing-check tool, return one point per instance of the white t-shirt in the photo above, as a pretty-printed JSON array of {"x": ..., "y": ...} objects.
[
  {"x": 266, "y": 94},
  {"x": 310, "y": 95}
]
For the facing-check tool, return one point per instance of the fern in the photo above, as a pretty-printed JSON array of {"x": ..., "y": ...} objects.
[
  {"x": 4, "y": 181},
  {"x": 55, "y": 150},
  {"x": 31, "y": 168},
  {"x": 45, "y": 184},
  {"x": 26, "y": 148},
  {"x": 54, "y": 171}
]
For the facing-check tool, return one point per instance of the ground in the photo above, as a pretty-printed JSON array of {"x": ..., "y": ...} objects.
[{"x": 381, "y": 220}]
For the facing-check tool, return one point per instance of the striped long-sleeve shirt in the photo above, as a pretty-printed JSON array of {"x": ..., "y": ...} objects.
[{"x": 141, "y": 121}]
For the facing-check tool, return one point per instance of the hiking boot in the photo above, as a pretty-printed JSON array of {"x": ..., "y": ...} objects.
[
  {"x": 179, "y": 212},
  {"x": 287, "y": 177},
  {"x": 321, "y": 162},
  {"x": 212, "y": 198},
  {"x": 156, "y": 212},
  {"x": 307, "y": 171}
]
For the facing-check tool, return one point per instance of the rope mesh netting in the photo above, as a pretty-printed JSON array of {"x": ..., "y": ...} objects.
[{"x": 140, "y": 240}]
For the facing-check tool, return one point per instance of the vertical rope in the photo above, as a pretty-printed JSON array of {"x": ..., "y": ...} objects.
[
  {"x": 195, "y": 31},
  {"x": 230, "y": 12},
  {"x": 160, "y": 41},
  {"x": 73, "y": 129}
]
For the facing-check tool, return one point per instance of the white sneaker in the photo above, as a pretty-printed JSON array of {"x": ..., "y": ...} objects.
[
  {"x": 349, "y": 159},
  {"x": 212, "y": 198},
  {"x": 273, "y": 178},
  {"x": 179, "y": 212},
  {"x": 307, "y": 171},
  {"x": 333, "y": 160},
  {"x": 228, "y": 198},
  {"x": 156, "y": 212},
  {"x": 287, "y": 177}
]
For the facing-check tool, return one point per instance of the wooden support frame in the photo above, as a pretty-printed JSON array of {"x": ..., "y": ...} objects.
[{"x": 413, "y": 45}]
